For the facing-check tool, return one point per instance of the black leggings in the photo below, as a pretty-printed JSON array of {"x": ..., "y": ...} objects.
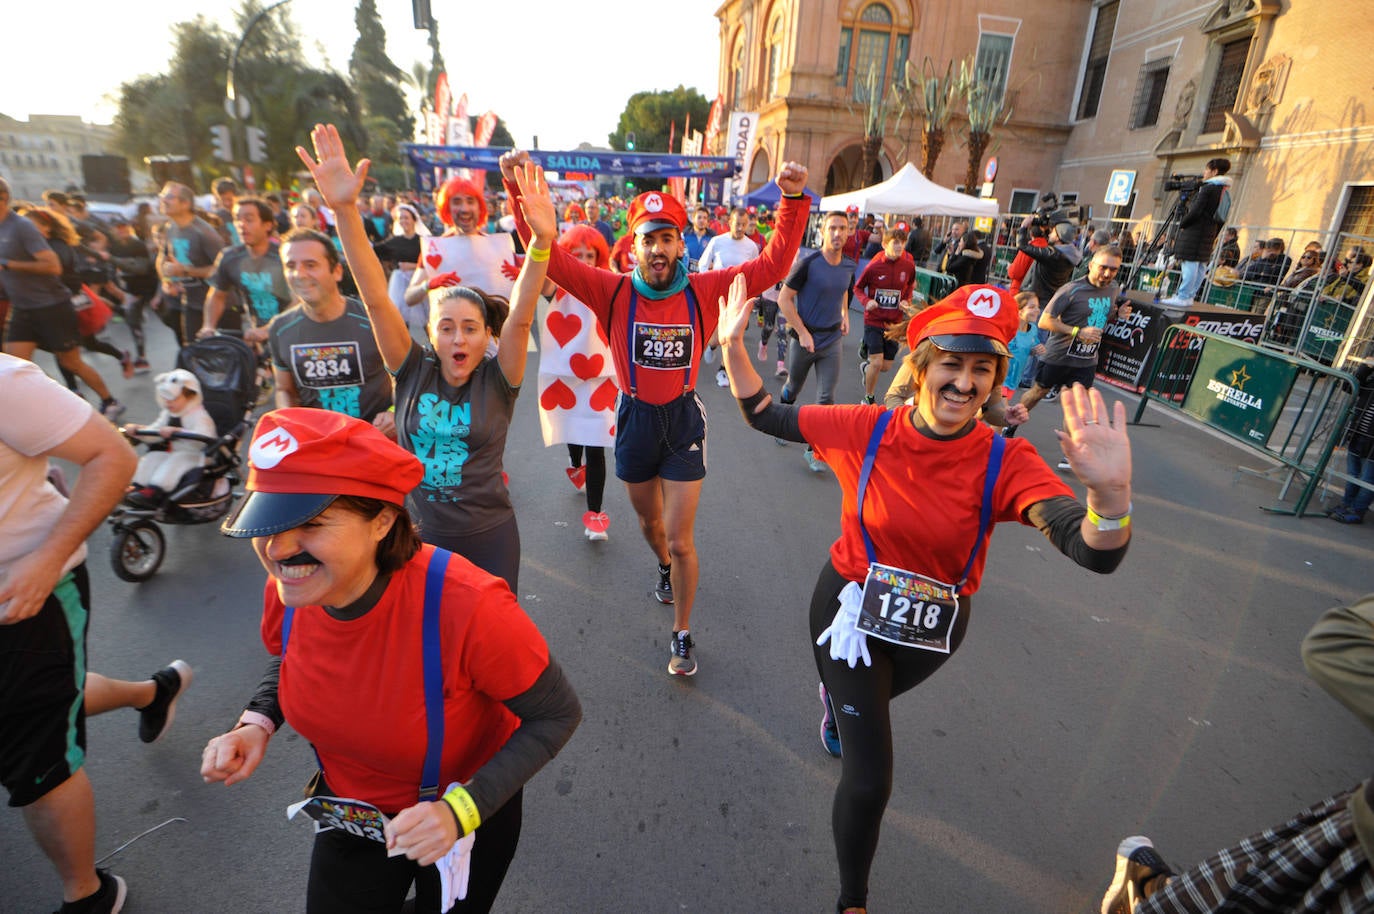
[
  {"x": 596, "y": 472},
  {"x": 860, "y": 697},
  {"x": 91, "y": 344},
  {"x": 495, "y": 551},
  {"x": 351, "y": 875}
]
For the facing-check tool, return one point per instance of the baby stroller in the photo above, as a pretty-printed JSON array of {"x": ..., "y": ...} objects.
[{"x": 226, "y": 368}]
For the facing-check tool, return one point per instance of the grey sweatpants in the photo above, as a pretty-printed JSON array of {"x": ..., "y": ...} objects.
[{"x": 826, "y": 361}]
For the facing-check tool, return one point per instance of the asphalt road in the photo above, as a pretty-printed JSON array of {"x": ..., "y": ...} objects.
[{"x": 1167, "y": 699}]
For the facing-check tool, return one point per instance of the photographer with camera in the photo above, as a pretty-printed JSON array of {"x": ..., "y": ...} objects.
[
  {"x": 1199, "y": 226},
  {"x": 1054, "y": 262}
]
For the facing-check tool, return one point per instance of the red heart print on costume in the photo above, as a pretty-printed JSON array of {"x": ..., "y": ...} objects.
[
  {"x": 563, "y": 327},
  {"x": 434, "y": 258},
  {"x": 586, "y": 367},
  {"x": 604, "y": 396},
  {"x": 557, "y": 396}
]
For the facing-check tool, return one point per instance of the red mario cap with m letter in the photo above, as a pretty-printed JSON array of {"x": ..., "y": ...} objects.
[
  {"x": 301, "y": 459},
  {"x": 973, "y": 319},
  {"x": 652, "y": 211}
]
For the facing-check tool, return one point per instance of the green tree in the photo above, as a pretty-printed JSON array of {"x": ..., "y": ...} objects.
[
  {"x": 986, "y": 109},
  {"x": 436, "y": 58},
  {"x": 933, "y": 99},
  {"x": 376, "y": 79},
  {"x": 648, "y": 115}
]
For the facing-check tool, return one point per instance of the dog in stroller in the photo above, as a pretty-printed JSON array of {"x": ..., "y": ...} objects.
[{"x": 187, "y": 476}]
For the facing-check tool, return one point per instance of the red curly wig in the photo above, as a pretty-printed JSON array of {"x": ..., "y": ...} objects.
[
  {"x": 587, "y": 237},
  {"x": 459, "y": 187}
]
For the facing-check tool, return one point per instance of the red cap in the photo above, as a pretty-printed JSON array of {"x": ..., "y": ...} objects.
[
  {"x": 973, "y": 319},
  {"x": 721, "y": 211},
  {"x": 753, "y": 210},
  {"x": 851, "y": 208},
  {"x": 301, "y": 459},
  {"x": 652, "y": 211},
  {"x": 901, "y": 227}
]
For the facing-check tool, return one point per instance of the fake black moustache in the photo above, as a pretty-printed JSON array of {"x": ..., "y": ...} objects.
[{"x": 301, "y": 558}]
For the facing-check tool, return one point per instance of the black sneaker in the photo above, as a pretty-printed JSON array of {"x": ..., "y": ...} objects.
[
  {"x": 172, "y": 680},
  {"x": 1140, "y": 872},
  {"x": 680, "y": 661},
  {"x": 830, "y": 730},
  {"x": 663, "y": 590},
  {"x": 108, "y": 899}
]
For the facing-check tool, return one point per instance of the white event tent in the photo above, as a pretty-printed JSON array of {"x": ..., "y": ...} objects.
[{"x": 908, "y": 192}]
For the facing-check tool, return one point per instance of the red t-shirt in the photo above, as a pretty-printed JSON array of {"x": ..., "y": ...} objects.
[
  {"x": 596, "y": 288},
  {"x": 889, "y": 276},
  {"x": 623, "y": 253},
  {"x": 355, "y": 689},
  {"x": 924, "y": 494}
]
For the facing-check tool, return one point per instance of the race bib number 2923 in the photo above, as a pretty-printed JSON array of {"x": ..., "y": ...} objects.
[{"x": 663, "y": 345}]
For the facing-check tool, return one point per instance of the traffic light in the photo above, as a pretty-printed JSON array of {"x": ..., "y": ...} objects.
[
  {"x": 630, "y": 141},
  {"x": 223, "y": 145},
  {"x": 257, "y": 145}
]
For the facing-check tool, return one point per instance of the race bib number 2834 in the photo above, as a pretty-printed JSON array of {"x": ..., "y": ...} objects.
[{"x": 321, "y": 365}]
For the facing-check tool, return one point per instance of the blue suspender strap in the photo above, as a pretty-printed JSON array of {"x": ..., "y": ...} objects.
[
  {"x": 870, "y": 455},
  {"x": 434, "y": 673},
  {"x": 287, "y": 615},
  {"x": 688, "y": 382},
  {"x": 630, "y": 332},
  {"x": 985, "y": 513}
]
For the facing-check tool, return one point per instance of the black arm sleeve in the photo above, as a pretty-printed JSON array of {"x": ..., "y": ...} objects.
[
  {"x": 1060, "y": 519},
  {"x": 778, "y": 420},
  {"x": 549, "y": 712},
  {"x": 264, "y": 700}
]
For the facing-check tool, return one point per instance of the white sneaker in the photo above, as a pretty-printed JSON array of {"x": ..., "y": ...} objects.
[
  {"x": 1064, "y": 465},
  {"x": 709, "y": 356},
  {"x": 722, "y": 379},
  {"x": 1176, "y": 302},
  {"x": 595, "y": 524},
  {"x": 763, "y": 352}
]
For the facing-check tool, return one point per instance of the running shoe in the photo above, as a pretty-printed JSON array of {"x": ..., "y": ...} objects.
[
  {"x": 863, "y": 369},
  {"x": 830, "y": 730},
  {"x": 709, "y": 356},
  {"x": 1341, "y": 508},
  {"x": 126, "y": 363},
  {"x": 722, "y": 379},
  {"x": 869, "y": 400},
  {"x": 108, "y": 899},
  {"x": 141, "y": 366},
  {"x": 1065, "y": 465},
  {"x": 663, "y": 590},
  {"x": 814, "y": 463},
  {"x": 111, "y": 409},
  {"x": 1051, "y": 396},
  {"x": 577, "y": 476},
  {"x": 154, "y": 720},
  {"x": 595, "y": 525},
  {"x": 1140, "y": 872},
  {"x": 763, "y": 352},
  {"x": 1349, "y": 517},
  {"x": 781, "y": 373},
  {"x": 680, "y": 663}
]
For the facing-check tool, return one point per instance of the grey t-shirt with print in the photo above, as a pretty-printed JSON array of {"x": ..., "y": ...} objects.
[
  {"x": 335, "y": 364},
  {"x": 1079, "y": 304},
  {"x": 459, "y": 435}
]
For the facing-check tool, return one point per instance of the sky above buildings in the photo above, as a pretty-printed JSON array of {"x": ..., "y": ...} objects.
[{"x": 557, "y": 70}]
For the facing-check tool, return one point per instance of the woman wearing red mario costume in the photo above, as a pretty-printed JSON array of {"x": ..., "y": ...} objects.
[
  {"x": 922, "y": 486},
  {"x": 406, "y": 667}
]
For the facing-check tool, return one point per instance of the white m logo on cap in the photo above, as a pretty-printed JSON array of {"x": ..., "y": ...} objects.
[
  {"x": 271, "y": 449},
  {"x": 653, "y": 203},
  {"x": 984, "y": 303}
]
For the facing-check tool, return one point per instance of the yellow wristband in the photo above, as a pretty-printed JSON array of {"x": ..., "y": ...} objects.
[
  {"x": 1106, "y": 524},
  {"x": 538, "y": 255},
  {"x": 1075, "y": 332},
  {"x": 460, "y": 801}
]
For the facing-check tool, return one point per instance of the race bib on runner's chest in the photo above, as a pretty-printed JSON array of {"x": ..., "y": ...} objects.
[
  {"x": 323, "y": 365},
  {"x": 908, "y": 609},
  {"x": 887, "y": 298},
  {"x": 663, "y": 345}
]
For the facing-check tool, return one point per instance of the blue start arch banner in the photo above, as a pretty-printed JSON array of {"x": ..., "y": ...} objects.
[{"x": 620, "y": 164}]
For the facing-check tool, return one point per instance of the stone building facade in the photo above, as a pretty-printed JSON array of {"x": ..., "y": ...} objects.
[
  {"x": 1156, "y": 87},
  {"x": 44, "y": 152}
]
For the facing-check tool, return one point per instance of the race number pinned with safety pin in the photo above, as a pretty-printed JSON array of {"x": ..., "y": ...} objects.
[
  {"x": 666, "y": 346},
  {"x": 908, "y": 609},
  {"x": 359, "y": 819},
  {"x": 887, "y": 298}
]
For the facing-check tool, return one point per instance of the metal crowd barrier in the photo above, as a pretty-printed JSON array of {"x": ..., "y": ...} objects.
[{"x": 1289, "y": 409}]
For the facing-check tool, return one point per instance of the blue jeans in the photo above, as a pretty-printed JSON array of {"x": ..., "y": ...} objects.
[
  {"x": 1191, "y": 281},
  {"x": 1358, "y": 499}
]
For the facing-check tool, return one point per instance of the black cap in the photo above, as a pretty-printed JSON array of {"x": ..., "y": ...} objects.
[{"x": 266, "y": 513}]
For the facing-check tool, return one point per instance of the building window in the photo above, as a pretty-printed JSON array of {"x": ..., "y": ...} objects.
[
  {"x": 1095, "y": 69},
  {"x": 1023, "y": 201},
  {"x": 1358, "y": 218},
  {"x": 873, "y": 47},
  {"x": 993, "y": 62},
  {"x": 774, "y": 56},
  {"x": 1149, "y": 93},
  {"x": 737, "y": 75},
  {"x": 1227, "y": 84},
  {"x": 842, "y": 62}
]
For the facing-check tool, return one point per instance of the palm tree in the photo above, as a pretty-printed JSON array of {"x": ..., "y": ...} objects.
[
  {"x": 933, "y": 97},
  {"x": 984, "y": 105}
]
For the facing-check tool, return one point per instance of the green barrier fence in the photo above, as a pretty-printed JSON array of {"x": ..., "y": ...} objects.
[
  {"x": 1290, "y": 409},
  {"x": 934, "y": 285}
]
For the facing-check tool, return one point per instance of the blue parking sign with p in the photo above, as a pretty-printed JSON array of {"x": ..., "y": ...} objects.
[{"x": 1119, "y": 188}]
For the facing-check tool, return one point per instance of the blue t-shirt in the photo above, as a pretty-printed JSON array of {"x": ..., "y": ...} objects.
[
  {"x": 823, "y": 292},
  {"x": 1020, "y": 348}
]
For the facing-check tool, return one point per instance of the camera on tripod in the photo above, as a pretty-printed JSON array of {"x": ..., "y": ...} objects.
[
  {"x": 1184, "y": 183},
  {"x": 1048, "y": 213}
]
